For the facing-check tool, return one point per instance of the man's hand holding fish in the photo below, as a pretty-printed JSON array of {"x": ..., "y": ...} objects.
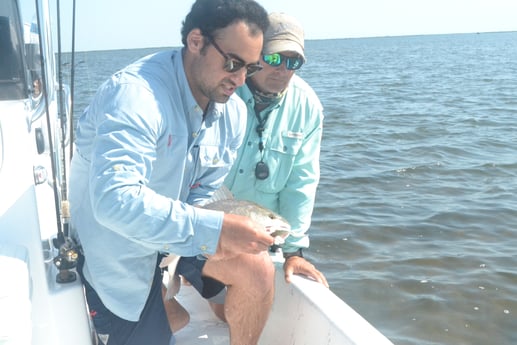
[{"x": 240, "y": 234}]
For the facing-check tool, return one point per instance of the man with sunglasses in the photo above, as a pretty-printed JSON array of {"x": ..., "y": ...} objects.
[
  {"x": 158, "y": 138},
  {"x": 278, "y": 164}
]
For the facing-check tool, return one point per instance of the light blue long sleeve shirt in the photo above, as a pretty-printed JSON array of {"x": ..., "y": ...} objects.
[
  {"x": 292, "y": 139},
  {"x": 144, "y": 156}
]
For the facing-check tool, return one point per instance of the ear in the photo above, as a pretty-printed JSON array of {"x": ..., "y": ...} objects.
[{"x": 195, "y": 40}]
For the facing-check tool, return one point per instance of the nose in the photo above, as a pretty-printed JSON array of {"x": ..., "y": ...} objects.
[
  {"x": 283, "y": 67},
  {"x": 239, "y": 77}
]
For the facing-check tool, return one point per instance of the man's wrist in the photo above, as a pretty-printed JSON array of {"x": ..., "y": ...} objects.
[{"x": 296, "y": 253}]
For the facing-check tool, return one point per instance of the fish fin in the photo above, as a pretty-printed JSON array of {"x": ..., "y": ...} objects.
[
  {"x": 168, "y": 259},
  {"x": 222, "y": 193},
  {"x": 173, "y": 286}
]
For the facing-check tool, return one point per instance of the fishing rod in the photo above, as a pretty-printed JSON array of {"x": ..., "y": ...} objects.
[
  {"x": 44, "y": 82},
  {"x": 62, "y": 114},
  {"x": 72, "y": 83},
  {"x": 68, "y": 255},
  {"x": 67, "y": 251}
]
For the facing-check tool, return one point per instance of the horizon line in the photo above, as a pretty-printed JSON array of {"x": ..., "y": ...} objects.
[{"x": 316, "y": 39}]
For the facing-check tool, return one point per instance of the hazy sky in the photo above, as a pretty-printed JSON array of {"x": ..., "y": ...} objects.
[{"x": 119, "y": 24}]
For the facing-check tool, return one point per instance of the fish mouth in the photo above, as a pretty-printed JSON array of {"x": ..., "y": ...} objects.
[
  {"x": 280, "y": 236},
  {"x": 278, "y": 227},
  {"x": 281, "y": 232}
]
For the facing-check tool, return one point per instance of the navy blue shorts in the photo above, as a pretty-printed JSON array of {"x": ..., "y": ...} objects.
[
  {"x": 190, "y": 268},
  {"x": 152, "y": 328}
]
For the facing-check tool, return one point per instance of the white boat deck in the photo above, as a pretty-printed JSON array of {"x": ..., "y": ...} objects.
[{"x": 204, "y": 327}]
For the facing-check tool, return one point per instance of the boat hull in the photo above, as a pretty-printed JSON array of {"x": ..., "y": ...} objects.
[{"x": 304, "y": 313}]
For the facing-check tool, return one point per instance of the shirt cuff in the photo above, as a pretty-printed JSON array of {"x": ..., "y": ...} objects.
[
  {"x": 207, "y": 230},
  {"x": 296, "y": 253}
]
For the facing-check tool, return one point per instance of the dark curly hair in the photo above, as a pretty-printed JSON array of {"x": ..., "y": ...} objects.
[{"x": 211, "y": 15}]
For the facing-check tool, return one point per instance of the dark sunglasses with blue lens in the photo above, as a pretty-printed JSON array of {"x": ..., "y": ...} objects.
[{"x": 276, "y": 59}]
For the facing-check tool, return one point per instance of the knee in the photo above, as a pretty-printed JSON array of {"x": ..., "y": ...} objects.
[
  {"x": 251, "y": 272},
  {"x": 262, "y": 270}
]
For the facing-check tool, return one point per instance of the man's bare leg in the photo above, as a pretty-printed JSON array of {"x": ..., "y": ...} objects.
[
  {"x": 218, "y": 310},
  {"x": 177, "y": 315},
  {"x": 250, "y": 283}
]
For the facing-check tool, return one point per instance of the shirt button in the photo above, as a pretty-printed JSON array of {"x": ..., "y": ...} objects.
[
  {"x": 166, "y": 247},
  {"x": 194, "y": 135},
  {"x": 241, "y": 171},
  {"x": 215, "y": 161},
  {"x": 204, "y": 248}
]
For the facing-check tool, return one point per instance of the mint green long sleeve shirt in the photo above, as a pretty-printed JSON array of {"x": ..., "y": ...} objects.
[{"x": 292, "y": 139}]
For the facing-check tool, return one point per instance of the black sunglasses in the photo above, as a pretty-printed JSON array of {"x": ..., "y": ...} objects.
[
  {"x": 233, "y": 64},
  {"x": 276, "y": 59}
]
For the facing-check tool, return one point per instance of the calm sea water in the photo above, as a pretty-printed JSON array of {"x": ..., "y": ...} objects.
[{"x": 416, "y": 215}]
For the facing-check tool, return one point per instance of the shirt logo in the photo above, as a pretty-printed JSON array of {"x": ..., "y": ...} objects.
[{"x": 296, "y": 135}]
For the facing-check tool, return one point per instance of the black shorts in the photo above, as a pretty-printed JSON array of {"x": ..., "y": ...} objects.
[
  {"x": 190, "y": 268},
  {"x": 152, "y": 328}
]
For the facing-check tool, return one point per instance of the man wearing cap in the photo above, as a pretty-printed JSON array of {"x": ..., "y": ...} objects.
[{"x": 277, "y": 165}]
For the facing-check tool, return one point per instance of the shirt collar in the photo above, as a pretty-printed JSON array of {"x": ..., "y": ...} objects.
[{"x": 187, "y": 98}]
